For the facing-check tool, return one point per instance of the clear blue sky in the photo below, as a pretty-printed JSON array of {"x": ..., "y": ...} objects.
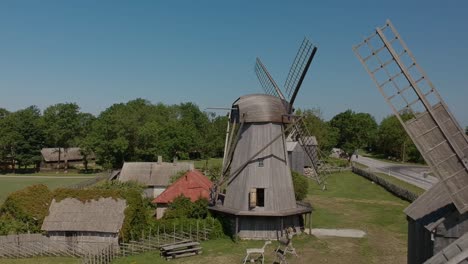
[{"x": 97, "y": 53}]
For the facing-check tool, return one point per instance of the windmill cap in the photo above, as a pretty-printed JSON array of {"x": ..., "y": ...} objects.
[{"x": 260, "y": 108}]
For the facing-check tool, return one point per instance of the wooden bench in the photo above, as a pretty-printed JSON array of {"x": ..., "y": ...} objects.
[{"x": 179, "y": 250}]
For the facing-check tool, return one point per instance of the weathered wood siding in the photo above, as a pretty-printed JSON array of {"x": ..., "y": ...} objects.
[
  {"x": 420, "y": 245},
  {"x": 274, "y": 176},
  {"x": 88, "y": 241},
  {"x": 267, "y": 227},
  {"x": 453, "y": 227}
]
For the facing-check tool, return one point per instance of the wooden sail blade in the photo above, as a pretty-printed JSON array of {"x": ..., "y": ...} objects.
[
  {"x": 269, "y": 85},
  {"x": 299, "y": 69},
  {"x": 419, "y": 107}
]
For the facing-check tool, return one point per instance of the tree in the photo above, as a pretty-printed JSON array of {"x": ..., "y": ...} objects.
[
  {"x": 393, "y": 140},
  {"x": 61, "y": 126},
  {"x": 22, "y": 137},
  {"x": 355, "y": 130},
  {"x": 326, "y": 135},
  {"x": 466, "y": 130}
]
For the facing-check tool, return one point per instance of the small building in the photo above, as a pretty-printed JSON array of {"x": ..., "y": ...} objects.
[
  {"x": 155, "y": 176},
  {"x": 193, "y": 185},
  {"x": 297, "y": 157},
  {"x": 50, "y": 157},
  {"x": 434, "y": 223},
  {"x": 89, "y": 226}
]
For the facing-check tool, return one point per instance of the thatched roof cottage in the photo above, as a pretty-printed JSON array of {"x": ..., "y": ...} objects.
[{"x": 89, "y": 225}]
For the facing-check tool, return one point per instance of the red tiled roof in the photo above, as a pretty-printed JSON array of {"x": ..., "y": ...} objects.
[{"x": 192, "y": 185}]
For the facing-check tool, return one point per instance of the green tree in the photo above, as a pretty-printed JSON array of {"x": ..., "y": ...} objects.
[
  {"x": 62, "y": 127},
  {"x": 355, "y": 130},
  {"x": 22, "y": 137},
  {"x": 326, "y": 135},
  {"x": 393, "y": 140}
]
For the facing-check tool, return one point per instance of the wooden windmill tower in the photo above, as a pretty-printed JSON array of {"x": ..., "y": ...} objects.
[
  {"x": 259, "y": 193},
  {"x": 440, "y": 215}
]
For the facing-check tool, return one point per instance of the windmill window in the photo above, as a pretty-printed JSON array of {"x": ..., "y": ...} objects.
[
  {"x": 260, "y": 163},
  {"x": 256, "y": 197}
]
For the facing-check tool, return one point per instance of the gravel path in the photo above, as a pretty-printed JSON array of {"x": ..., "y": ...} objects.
[{"x": 353, "y": 233}]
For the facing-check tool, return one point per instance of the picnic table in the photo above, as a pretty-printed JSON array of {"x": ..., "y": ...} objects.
[{"x": 180, "y": 249}]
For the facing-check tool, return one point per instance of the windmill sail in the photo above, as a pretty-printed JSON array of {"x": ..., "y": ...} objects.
[
  {"x": 267, "y": 82},
  {"x": 408, "y": 90},
  {"x": 299, "y": 69}
]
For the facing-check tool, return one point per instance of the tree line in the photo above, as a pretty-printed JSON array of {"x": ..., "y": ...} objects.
[
  {"x": 134, "y": 131},
  {"x": 141, "y": 131}
]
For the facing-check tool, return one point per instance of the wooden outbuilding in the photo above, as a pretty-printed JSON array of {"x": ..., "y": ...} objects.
[
  {"x": 90, "y": 225},
  {"x": 73, "y": 156},
  {"x": 155, "y": 176},
  {"x": 433, "y": 224},
  {"x": 193, "y": 185},
  {"x": 297, "y": 157}
]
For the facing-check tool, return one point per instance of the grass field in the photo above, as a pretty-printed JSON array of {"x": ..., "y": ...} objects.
[
  {"x": 350, "y": 202},
  {"x": 11, "y": 183}
]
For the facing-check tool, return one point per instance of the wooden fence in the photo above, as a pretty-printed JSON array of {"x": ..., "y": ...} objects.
[
  {"x": 89, "y": 182},
  {"x": 394, "y": 189},
  {"x": 33, "y": 245},
  {"x": 156, "y": 238}
]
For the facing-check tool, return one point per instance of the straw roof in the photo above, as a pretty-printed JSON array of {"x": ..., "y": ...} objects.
[
  {"x": 103, "y": 215},
  {"x": 52, "y": 154},
  {"x": 152, "y": 173},
  {"x": 193, "y": 185}
]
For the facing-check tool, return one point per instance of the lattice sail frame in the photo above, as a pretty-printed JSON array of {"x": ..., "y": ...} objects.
[{"x": 407, "y": 89}]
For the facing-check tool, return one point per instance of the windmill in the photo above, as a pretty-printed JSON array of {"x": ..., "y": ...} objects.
[
  {"x": 259, "y": 192},
  {"x": 435, "y": 132}
]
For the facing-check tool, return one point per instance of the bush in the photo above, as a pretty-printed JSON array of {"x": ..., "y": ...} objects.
[
  {"x": 182, "y": 207},
  {"x": 301, "y": 185},
  {"x": 25, "y": 209}
]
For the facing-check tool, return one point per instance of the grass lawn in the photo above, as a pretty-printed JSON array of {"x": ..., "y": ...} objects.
[
  {"x": 350, "y": 202},
  {"x": 213, "y": 162},
  {"x": 10, "y": 184}
]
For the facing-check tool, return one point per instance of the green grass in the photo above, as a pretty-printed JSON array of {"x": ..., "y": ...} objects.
[
  {"x": 11, "y": 184},
  {"x": 350, "y": 202},
  {"x": 408, "y": 186},
  {"x": 201, "y": 164}
]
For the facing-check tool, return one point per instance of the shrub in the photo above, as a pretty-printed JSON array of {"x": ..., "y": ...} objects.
[
  {"x": 301, "y": 185},
  {"x": 28, "y": 206},
  {"x": 182, "y": 207}
]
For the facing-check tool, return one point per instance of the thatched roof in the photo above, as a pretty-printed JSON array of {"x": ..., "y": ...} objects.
[
  {"x": 152, "y": 173},
  {"x": 103, "y": 215},
  {"x": 52, "y": 154}
]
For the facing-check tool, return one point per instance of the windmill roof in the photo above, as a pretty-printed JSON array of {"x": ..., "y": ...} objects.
[
  {"x": 152, "y": 173},
  {"x": 103, "y": 215},
  {"x": 260, "y": 108},
  {"x": 193, "y": 185},
  {"x": 431, "y": 207},
  {"x": 52, "y": 154}
]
